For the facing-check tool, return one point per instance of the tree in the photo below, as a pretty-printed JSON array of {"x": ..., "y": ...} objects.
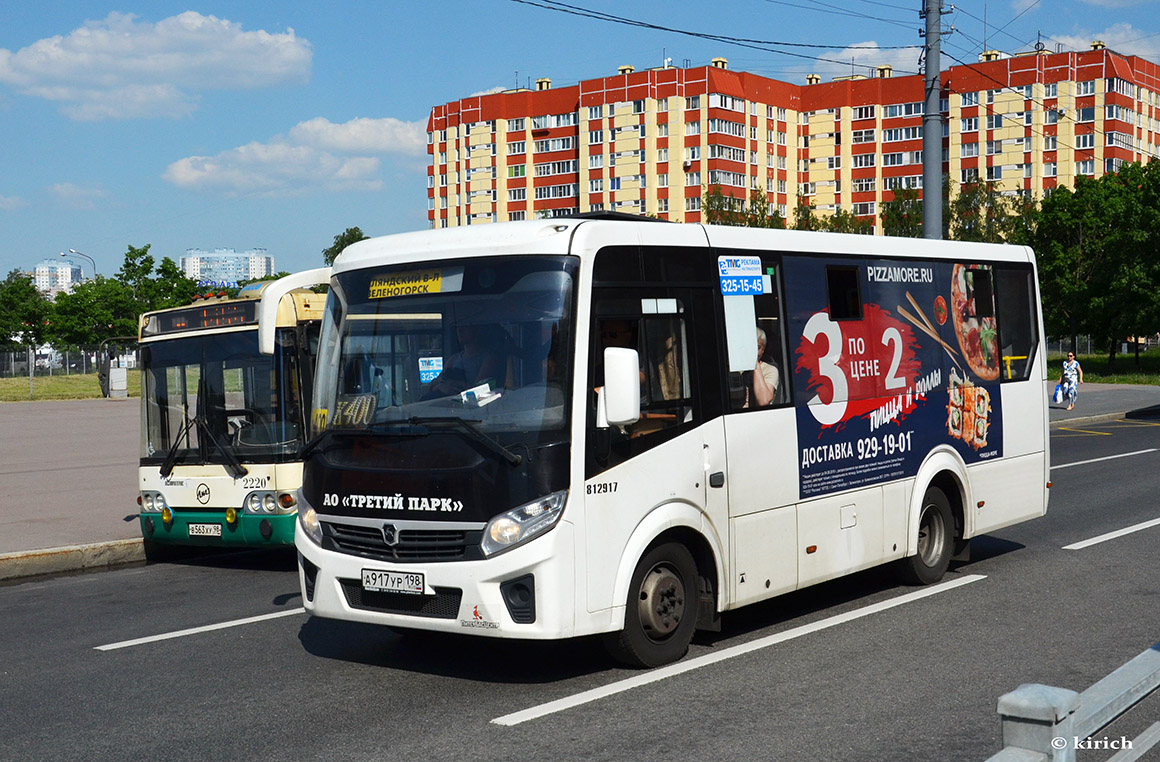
[
  {"x": 844, "y": 221},
  {"x": 902, "y": 215},
  {"x": 24, "y": 311},
  {"x": 804, "y": 217},
  {"x": 341, "y": 241},
  {"x": 979, "y": 213}
]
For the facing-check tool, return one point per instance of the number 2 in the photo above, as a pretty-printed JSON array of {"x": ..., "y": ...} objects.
[{"x": 892, "y": 336}]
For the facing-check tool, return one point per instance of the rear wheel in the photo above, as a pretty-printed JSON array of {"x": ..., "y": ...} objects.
[
  {"x": 936, "y": 537},
  {"x": 661, "y": 612}
]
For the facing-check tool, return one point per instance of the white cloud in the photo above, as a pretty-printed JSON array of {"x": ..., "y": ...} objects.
[
  {"x": 1122, "y": 38},
  {"x": 316, "y": 154},
  {"x": 1018, "y": 7},
  {"x": 864, "y": 58},
  {"x": 9, "y": 203},
  {"x": 76, "y": 196},
  {"x": 122, "y": 68},
  {"x": 489, "y": 91},
  {"x": 361, "y": 135}
]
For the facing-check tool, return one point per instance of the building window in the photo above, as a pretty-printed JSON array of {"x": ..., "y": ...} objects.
[
  {"x": 1051, "y": 169},
  {"x": 663, "y": 130},
  {"x": 693, "y": 153},
  {"x": 995, "y": 173},
  {"x": 693, "y": 204},
  {"x": 1051, "y": 90},
  {"x": 1050, "y": 143},
  {"x": 693, "y": 103},
  {"x": 516, "y": 125},
  {"x": 662, "y": 205},
  {"x": 517, "y": 216},
  {"x": 596, "y": 186},
  {"x": 970, "y": 124},
  {"x": 517, "y": 147},
  {"x": 864, "y": 208},
  {"x": 1086, "y": 167},
  {"x": 517, "y": 194},
  {"x": 663, "y": 180},
  {"x": 692, "y": 128},
  {"x": 969, "y": 175},
  {"x": 863, "y": 136},
  {"x": 596, "y": 161},
  {"x": 967, "y": 150},
  {"x": 1085, "y": 142},
  {"x": 638, "y": 107},
  {"x": 864, "y": 185},
  {"x": 595, "y": 137},
  {"x": 517, "y": 170},
  {"x": 969, "y": 99},
  {"x": 662, "y": 155},
  {"x": 863, "y": 160},
  {"x": 693, "y": 179},
  {"x": 1085, "y": 88},
  {"x": 595, "y": 112},
  {"x": 1085, "y": 114},
  {"x": 994, "y": 147},
  {"x": 863, "y": 112}
]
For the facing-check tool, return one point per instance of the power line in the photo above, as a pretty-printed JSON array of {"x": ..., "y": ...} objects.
[
  {"x": 841, "y": 12},
  {"x": 761, "y": 45}
]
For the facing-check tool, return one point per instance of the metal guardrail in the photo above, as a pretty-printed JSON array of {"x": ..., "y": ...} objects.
[{"x": 1042, "y": 723}]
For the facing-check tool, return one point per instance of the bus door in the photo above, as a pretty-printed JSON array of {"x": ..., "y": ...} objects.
[
  {"x": 670, "y": 458},
  {"x": 760, "y": 432}
]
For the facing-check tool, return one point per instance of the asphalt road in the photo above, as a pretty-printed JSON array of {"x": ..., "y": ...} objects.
[{"x": 917, "y": 680}]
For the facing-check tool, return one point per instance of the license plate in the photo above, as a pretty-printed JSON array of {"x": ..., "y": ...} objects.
[
  {"x": 205, "y": 530},
  {"x": 382, "y": 581}
]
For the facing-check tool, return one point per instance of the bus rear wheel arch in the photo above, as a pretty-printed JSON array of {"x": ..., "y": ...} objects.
[{"x": 661, "y": 611}]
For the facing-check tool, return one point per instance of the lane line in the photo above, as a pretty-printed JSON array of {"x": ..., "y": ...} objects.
[
  {"x": 689, "y": 665},
  {"x": 196, "y": 630},
  {"x": 1112, "y": 535},
  {"x": 1109, "y": 457},
  {"x": 1085, "y": 431}
]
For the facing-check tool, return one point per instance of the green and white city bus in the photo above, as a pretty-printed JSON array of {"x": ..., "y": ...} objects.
[{"x": 226, "y": 388}]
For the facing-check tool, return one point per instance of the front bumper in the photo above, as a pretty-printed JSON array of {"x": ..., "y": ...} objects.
[
  {"x": 249, "y": 531},
  {"x": 462, "y": 596}
]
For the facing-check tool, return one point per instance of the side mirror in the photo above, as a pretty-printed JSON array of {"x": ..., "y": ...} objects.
[{"x": 619, "y": 400}]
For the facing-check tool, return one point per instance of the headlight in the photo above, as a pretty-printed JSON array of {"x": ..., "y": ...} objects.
[
  {"x": 268, "y": 503},
  {"x": 521, "y": 524},
  {"x": 253, "y": 502},
  {"x": 308, "y": 520},
  {"x": 147, "y": 501},
  {"x": 159, "y": 504}
]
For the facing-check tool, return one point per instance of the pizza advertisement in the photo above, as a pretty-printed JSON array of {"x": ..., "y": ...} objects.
[{"x": 906, "y": 364}]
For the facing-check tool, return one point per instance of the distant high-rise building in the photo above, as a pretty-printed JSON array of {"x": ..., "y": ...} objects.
[
  {"x": 652, "y": 142},
  {"x": 226, "y": 266},
  {"x": 55, "y": 276}
]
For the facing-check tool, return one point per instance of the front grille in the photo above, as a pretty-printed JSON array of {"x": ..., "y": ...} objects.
[
  {"x": 413, "y": 546},
  {"x": 443, "y": 605}
]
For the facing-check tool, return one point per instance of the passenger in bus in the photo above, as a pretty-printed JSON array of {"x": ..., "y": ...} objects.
[
  {"x": 482, "y": 358},
  {"x": 761, "y": 382}
]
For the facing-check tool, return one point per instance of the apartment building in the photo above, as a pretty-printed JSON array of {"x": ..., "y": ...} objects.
[
  {"x": 651, "y": 142},
  {"x": 226, "y": 266}
]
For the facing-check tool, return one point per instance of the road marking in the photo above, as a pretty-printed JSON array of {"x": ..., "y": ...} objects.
[
  {"x": 1109, "y": 457},
  {"x": 1086, "y": 431},
  {"x": 1112, "y": 535},
  {"x": 196, "y": 630},
  {"x": 689, "y": 665}
]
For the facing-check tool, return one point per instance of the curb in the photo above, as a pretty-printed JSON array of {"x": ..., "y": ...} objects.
[
  {"x": 1062, "y": 422},
  {"x": 71, "y": 558}
]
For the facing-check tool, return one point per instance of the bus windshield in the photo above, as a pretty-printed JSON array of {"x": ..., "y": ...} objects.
[
  {"x": 213, "y": 398},
  {"x": 484, "y": 341}
]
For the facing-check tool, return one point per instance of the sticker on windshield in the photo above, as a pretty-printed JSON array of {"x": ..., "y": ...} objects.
[
  {"x": 407, "y": 284},
  {"x": 429, "y": 369}
]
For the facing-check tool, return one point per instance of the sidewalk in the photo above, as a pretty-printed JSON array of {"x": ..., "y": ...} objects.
[{"x": 69, "y": 475}]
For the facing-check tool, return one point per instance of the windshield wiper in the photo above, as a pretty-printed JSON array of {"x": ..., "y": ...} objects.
[
  {"x": 235, "y": 466},
  {"x": 465, "y": 425},
  {"x": 317, "y": 439}
]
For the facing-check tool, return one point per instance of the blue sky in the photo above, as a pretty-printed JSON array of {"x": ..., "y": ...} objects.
[{"x": 279, "y": 125}]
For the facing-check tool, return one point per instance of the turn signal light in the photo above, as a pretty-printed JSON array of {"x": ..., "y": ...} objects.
[
  {"x": 286, "y": 500},
  {"x": 231, "y": 516}
]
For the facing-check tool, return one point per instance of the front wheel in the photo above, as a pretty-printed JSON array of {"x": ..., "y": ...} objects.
[
  {"x": 661, "y": 612},
  {"x": 936, "y": 536}
]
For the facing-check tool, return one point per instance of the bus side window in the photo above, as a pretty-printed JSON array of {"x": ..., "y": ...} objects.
[
  {"x": 1017, "y": 324},
  {"x": 757, "y": 367}
]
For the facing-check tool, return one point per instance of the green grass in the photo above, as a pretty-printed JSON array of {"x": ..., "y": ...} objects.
[
  {"x": 1096, "y": 371},
  {"x": 59, "y": 387}
]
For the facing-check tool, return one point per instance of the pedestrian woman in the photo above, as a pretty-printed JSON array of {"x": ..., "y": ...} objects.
[{"x": 1070, "y": 379}]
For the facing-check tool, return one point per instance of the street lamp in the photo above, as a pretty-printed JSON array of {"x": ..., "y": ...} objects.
[{"x": 86, "y": 256}]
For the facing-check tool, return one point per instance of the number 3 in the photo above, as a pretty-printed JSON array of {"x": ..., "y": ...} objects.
[{"x": 828, "y": 413}]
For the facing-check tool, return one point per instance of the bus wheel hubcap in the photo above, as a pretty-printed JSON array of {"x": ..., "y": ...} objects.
[
  {"x": 662, "y": 602},
  {"x": 930, "y": 536}
]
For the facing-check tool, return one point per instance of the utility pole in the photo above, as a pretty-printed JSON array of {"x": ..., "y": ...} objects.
[{"x": 932, "y": 123}]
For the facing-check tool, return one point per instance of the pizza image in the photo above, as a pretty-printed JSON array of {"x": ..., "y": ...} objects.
[
  {"x": 978, "y": 339},
  {"x": 940, "y": 310}
]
